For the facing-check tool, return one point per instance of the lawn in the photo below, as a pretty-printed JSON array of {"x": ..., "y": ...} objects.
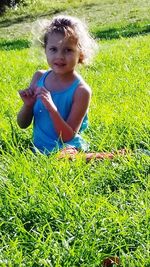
[{"x": 63, "y": 213}]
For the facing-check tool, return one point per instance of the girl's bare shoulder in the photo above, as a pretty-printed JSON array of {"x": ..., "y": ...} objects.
[
  {"x": 37, "y": 75},
  {"x": 82, "y": 96},
  {"x": 83, "y": 89},
  {"x": 83, "y": 86}
]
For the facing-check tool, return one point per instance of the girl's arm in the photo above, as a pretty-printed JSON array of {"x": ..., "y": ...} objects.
[
  {"x": 67, "y": 129},
  {"x": 25, "y": 115}
]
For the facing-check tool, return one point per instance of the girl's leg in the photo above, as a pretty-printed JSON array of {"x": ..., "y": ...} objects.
[
  {"x": 68, "y": 152},
  {"x": 99, "y": 155},
  {"x": 71, "y": 152},
  {"x": 104, "y": 155}
]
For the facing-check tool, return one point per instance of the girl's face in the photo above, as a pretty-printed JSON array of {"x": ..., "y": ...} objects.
[{"x": 62, "y": 54}]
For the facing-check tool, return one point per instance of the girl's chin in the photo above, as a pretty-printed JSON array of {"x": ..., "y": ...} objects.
[
  {"x": 61, "y": 71},
  {"x": 59, "y": 66}
]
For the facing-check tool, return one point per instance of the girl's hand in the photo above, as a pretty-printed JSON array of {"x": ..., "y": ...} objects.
[
  {"x": 46, "y": 98},
  {"x": 28, "y": 96}
]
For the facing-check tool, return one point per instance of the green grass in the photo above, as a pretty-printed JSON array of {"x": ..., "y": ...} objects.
[
  {"x": 75, "y": 214},
  {"x": 106, "y": 18},
  {"x": 69, "y": 214}
]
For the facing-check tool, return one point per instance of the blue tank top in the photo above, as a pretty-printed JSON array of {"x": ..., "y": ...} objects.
[{"x": 45, "y": 138}]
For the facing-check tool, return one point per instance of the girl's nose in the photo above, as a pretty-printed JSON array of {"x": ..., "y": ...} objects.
[{"x": 60, "y": 54}]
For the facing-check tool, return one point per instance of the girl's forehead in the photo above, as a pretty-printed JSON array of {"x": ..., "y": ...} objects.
[{"x": 61, "y": 39}]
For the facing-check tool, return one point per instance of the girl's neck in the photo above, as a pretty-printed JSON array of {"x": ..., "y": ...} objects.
[
  {"x": 64, "y": 78},
  {"x": 59, "y": 82}
]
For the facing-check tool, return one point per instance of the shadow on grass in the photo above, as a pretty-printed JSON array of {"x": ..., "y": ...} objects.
[
  {"x": 14, "y": 44},
  {"x": 129, "y": 30},
  {"x": 28, "y": 18},
  {"x": 108, "y": 34}
]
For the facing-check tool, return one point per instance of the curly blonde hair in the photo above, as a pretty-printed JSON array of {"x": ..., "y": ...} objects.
[{"x": 71, "y": 27}]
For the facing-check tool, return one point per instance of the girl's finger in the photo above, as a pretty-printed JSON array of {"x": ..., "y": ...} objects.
[
  {"x": 43, "y": 89},
  {"x": 22, "y": 92},
  {"x": 37, "y": 91},
  {"x": 31, "y": 91}
]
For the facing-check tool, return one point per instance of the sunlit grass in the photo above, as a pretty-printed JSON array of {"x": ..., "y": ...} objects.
[
  {"x": 73, "y": 213},
  {"x": 106, "y": 19},
  {"x": 62, "y": 213}
]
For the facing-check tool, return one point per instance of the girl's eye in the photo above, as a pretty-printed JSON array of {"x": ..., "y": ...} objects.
[
  {"x": 68, "y": 50},
  {"x": 52, "y": 49}
]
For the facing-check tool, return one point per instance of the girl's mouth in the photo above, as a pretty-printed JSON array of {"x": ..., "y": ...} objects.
[{"x": 60, "y": 64}]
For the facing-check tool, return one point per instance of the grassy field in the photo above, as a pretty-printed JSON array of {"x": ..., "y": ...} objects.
[
  {"x": 72, "y": 213},
  {"x": 106, "y": 18}
]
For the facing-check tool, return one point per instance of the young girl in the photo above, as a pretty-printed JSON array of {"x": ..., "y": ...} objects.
[{"x": 58, "y": 98}]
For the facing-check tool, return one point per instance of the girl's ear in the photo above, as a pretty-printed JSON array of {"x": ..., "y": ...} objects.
[{"x": 81, "y": 58}]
